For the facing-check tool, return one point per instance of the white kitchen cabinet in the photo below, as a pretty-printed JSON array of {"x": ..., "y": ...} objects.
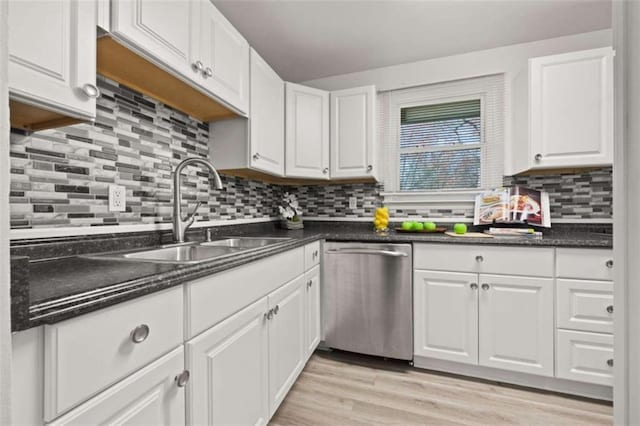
[
  {"x": 306, "y": 132},
  {"x": 564, "y": 111},
  {"x": 266, "y": 122},
  {"x": 224, "y": 54},
  {"x": 516, "y": 323},
  {"x": 584, "y": 305},
  {"x": 162, "y": 31},
  {"x": 312, "y": 310},
  {"x": 152, "y": 396},
  {"x": 287, "y": 354},
  {"x": 585, "y": 357},
  {"x": 446, "y": 315},
  {"x": 52, "y": 55},
  {"x": 191, "y": 40},
  {"x": 353, "y": 153},
  {"x": 229, "y": 366}
]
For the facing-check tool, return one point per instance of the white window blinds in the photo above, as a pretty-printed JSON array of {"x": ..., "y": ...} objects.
[{"x": 444, "y": 137}]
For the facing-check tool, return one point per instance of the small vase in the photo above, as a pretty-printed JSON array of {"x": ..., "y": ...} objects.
[{"x": 290, "y": 224}]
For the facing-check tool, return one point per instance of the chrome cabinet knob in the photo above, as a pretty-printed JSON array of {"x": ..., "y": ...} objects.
[
  {"x": 198, "y": 66},
  {"x": 91, "y": 91},
  {"x": 269, "y": 314},
  {"x": 207, "y": 72},
  {"x": 610, "y": 362},
  {"x": 309, "y": 283},
  {"x": 276, "y": 310},
  {"x": 369, "y": 167},
  {"x": 486, "y": 286},
  {"x": 315, "y": 254},
  {"x": 473, "y": 286},
  {"x": 140, "y": 333},
  {"x": 538, "y": 157},
  {"x": 610, "y": 309},
  {"x": 479, "y": 259},
  {"x": 609, "y": 263},
  {"x": 182, "y": 379},
  {"x": 325, "y": 170},
  {"x": 256, "y": 156}
]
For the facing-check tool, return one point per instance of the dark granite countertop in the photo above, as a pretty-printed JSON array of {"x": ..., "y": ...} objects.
[{"x": 59, "y": 288}]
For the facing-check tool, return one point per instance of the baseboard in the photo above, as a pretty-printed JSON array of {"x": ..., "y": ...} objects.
[{"x": 587, "y": 390}]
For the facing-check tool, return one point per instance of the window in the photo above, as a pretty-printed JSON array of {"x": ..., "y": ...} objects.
[
  {"x": 441, "y": 143},
  {"x": 440, "y": 146}
]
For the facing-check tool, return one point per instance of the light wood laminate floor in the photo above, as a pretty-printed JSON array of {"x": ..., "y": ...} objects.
[{"x": 345, "y": 389}]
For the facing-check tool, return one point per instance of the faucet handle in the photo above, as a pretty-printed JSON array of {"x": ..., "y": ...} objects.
[{"x": 192, "y": 215}]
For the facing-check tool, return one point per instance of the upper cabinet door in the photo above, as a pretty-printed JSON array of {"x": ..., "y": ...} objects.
[
  {"x": 571, "y": 109},
  {"x": 307, "y": 132},
  {"x": 353, "y": 114},
  {"x": 162, "y": 30},
  {"x": 224, "y": 54},
  {"x": 52, "y": 55},
  {"x": 267, "y": 118}
]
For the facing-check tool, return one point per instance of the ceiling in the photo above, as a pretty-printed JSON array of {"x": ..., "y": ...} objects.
[{"x": 309, "y": 39}]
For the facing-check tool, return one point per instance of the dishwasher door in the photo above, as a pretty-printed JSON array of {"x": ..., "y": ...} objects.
[{"x": 369, "y": 299}]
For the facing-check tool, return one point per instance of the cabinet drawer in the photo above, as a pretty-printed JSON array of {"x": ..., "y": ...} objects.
[
  {"x": 484, "y": 259},
  {"x": 590, "y": 264},
  {"x": 86, "y": 354},
  {"x": 214, "y": 298},
  {"x": 585, "y": 357},
  {"x": 585, "y": 305},
  {"x": 150, "y": 396},
  {"x": 311, "y": 255}
]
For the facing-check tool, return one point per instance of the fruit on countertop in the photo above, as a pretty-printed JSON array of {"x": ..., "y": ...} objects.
[
  {"x": 381, "y": 218},
  {"x": 417, "y": 226},
  {"x": 429, "y": 226},
  {"x": 407, "y": 226},
  {"x": 460, "y": 228}
]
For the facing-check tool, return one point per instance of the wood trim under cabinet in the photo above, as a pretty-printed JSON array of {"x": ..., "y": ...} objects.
[
  {"x": 118, "y": 63},
  {"x": 267, "y": 178},
  {"x": 33, "y": 118}
]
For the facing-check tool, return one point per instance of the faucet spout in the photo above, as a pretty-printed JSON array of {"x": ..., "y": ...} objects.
[{"x": 181, "y": 225}]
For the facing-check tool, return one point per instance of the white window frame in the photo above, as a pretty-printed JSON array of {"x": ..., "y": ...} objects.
[{"x": 428, "y": 95}]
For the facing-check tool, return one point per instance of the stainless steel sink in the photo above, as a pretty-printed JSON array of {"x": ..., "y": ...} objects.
[
  {"x": 181, "y": 254},
  {"x": 244, "y": 242},
  {"x": 190, "y": 253}
]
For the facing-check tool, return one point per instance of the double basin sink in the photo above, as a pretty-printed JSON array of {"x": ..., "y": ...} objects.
[{"x": 192, "y": 252}]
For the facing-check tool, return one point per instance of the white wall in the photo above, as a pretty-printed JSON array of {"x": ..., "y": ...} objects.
[
  {"x": 510, "y": 60},
  {"x": 5, "y": 302},
  {"x": 626, "y": 232}
]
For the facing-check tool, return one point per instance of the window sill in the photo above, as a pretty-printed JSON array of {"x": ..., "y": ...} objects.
[{"x": 434, "y": 200}]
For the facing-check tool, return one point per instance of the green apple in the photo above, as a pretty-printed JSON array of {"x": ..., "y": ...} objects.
[
  {"x": 429, "y": 226},
  {"x": 460, "y": 228},
  {"x": 417, "y": 226},
  {"x": 407, "y": 226}
]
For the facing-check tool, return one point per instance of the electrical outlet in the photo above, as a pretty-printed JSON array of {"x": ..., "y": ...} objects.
[
  {"x": 353, "y": 202},
  {"x": 117, "y": 198}
]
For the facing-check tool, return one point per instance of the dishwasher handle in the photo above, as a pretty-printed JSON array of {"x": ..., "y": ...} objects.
[{"x": 389, "y": 253}]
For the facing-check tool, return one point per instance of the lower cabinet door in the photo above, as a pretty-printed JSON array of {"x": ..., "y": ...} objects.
[
  {"x": 445, "y": 309},
  {"x": 516, "y": 329},
  {"x": 312, "y": 309},
  {"x": 151, "y": 396},
  {"x": 229, "y": 371},
  {"x": 287, "y": 354}
]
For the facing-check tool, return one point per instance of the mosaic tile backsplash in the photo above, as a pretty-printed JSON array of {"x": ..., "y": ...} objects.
[{"x": 60, "y": 177}]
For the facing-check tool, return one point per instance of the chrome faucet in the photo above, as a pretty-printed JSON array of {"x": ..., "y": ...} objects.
[{"x": 180, "y": 225}]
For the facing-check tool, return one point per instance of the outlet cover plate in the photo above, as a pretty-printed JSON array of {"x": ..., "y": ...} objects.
[{"x": 117, "y": 198}]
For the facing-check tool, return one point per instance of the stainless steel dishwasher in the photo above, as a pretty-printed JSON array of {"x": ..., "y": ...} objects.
[{"x": 368, "y": 299}]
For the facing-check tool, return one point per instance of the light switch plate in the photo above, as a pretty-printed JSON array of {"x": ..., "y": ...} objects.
[
  {"x": 117, "y": 198},
  {"x": 353, "y": 202}
]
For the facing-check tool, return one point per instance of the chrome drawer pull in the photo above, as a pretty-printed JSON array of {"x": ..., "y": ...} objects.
[
  {"x": 276, "y": 310},
  {"x": 609, "y": 264},
  {"x": 610, "y": 309},
  {"x": 140, "y": 333},
  {"x": 473, "y": 286},
  {"x": 486, "y": 286},
  {"x": 610, "y": 362},
  {"x": 182, "y": 378},
  {"x": 479, "y": 259}
]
